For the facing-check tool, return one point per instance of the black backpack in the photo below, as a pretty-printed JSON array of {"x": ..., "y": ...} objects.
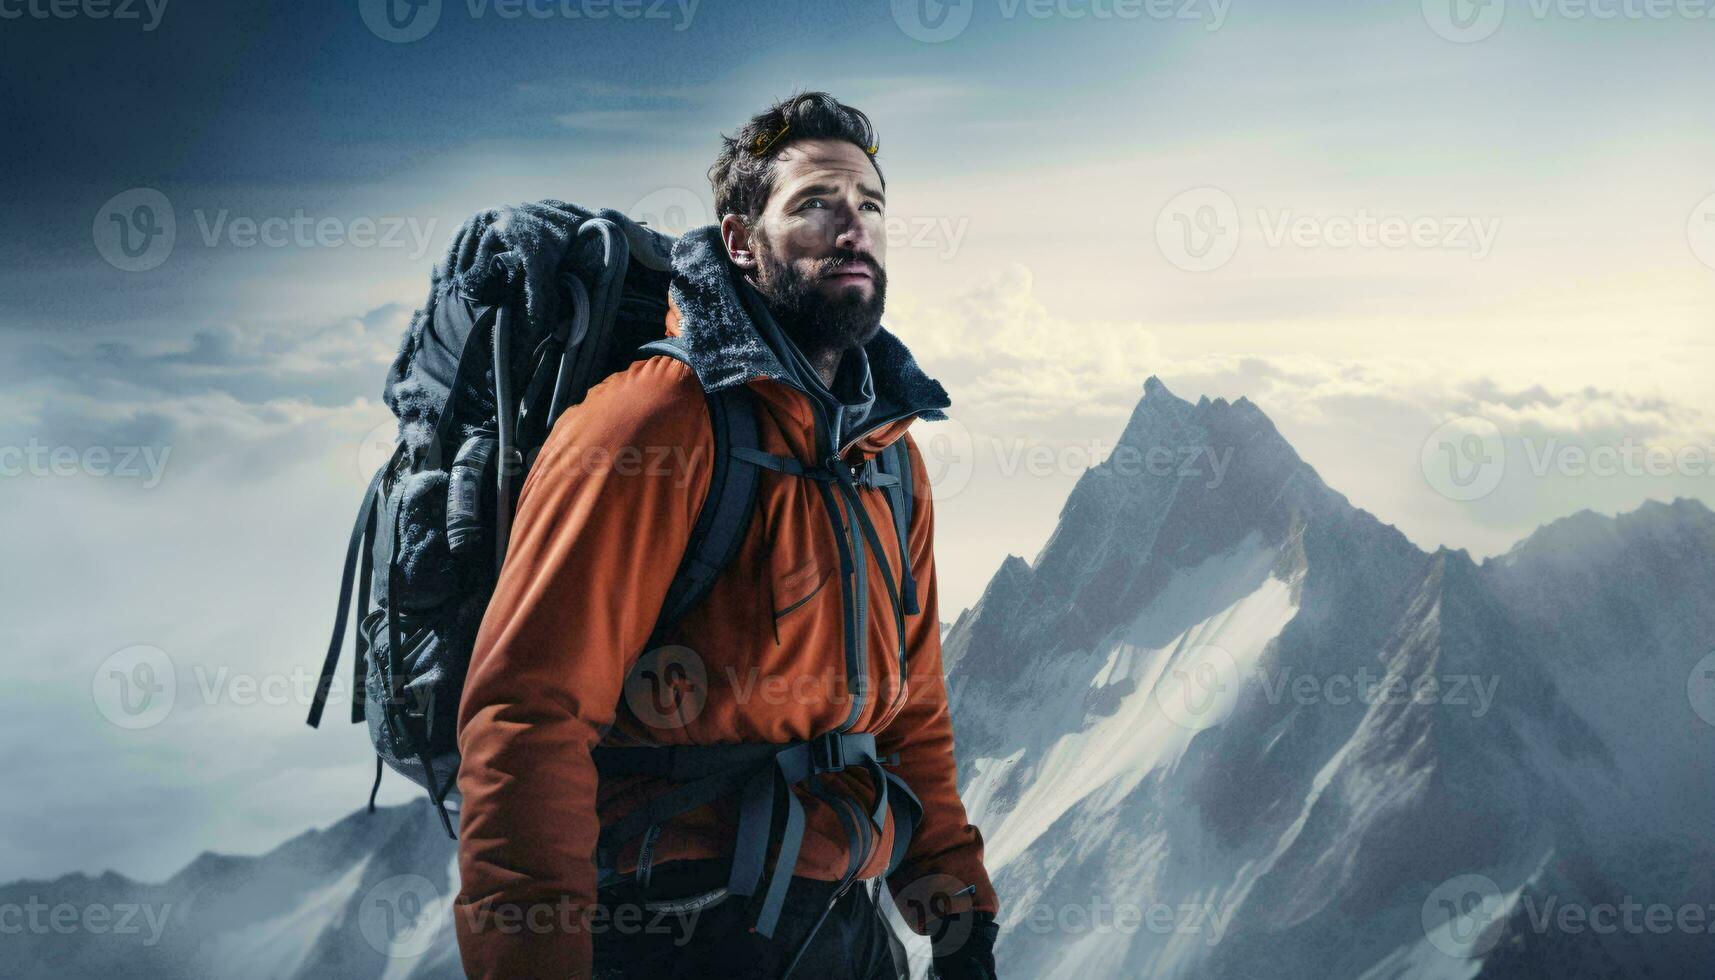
[{"x": 530, "y": 308}]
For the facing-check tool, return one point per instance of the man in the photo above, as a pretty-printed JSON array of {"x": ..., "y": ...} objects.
[{"x": 819, "y": 642}]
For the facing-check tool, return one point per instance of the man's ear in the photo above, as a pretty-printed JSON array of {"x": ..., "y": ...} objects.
[{"x": 735, "y": 234}]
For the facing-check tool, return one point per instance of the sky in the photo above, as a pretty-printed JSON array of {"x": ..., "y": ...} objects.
[{"x": 1461, "y": 253}]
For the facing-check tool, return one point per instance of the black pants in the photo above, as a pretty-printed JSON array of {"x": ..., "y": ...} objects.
[{"x": 635, "y": 941}]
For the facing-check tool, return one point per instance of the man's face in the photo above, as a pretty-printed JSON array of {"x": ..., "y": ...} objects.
[{"x": 817, "y": 249}]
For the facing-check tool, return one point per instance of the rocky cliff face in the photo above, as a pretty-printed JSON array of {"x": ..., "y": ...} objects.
[{"x": 1267, "y": 735}]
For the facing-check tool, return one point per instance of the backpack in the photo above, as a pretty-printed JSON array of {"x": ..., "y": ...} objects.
[{"x": 531, "y": 307}]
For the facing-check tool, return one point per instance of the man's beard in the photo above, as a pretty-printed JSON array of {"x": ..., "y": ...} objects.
[{"x": 813, "y": 321}]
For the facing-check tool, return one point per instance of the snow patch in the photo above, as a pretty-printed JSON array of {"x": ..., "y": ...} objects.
[
  {"x": 277, "y": 947},
  {"x": 1148, "y": 727}
]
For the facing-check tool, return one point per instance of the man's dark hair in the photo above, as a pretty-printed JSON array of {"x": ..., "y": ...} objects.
[{"x": 743, "y": 175}]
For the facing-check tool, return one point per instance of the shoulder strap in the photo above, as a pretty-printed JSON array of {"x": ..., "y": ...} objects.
[
  {"x": 726, "y": 512},
  {"x": 896, "y": 460}
]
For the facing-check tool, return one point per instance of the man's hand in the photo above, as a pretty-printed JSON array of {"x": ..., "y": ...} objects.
[{"x": 973, "y": 957}]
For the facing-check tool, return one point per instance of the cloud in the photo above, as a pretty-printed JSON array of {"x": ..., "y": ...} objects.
[
  {"x": 1002, "y": 352},
  {"x": 1019, "y": 374},
  {"x": 1007, "y": 354},
  {"x": 222, "y": 394}
]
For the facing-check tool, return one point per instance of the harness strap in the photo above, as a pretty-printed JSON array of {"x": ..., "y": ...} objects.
[
  {"x": 868, "y": 475},
  {"x": 764, "y": 775}
]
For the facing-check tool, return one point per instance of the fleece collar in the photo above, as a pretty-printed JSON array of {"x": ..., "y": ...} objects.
[{"x": 725, "y": 348}]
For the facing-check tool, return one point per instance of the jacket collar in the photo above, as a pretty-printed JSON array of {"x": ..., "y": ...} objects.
[{"x": 716, "y": 325}]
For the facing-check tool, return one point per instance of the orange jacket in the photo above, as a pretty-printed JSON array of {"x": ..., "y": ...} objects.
[{"x": 602, "y": 520}]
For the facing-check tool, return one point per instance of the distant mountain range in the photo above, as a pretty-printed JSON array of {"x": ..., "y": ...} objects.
[
  {"x": 368, "y": 897},
  {"x": 1225, "y": 725}
]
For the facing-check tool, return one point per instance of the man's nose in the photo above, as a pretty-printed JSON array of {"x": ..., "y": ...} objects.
[{"x": 852, "y": 234}]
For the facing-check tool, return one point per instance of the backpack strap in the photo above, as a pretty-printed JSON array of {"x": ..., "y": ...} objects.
[
  {"x": 760, "y": 775},
  {"x": 726, "y": 512},
  {"x": 357, "y": 553},
  {"x": 895, "y": 461}
]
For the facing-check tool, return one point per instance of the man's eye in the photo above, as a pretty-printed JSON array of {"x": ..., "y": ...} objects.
[
  {"x": 812, "y": 202},
  {"x": 872, "y": 206}
]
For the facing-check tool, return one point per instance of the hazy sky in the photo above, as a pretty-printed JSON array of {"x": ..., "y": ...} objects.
[{"x": 1462, "y": 254}]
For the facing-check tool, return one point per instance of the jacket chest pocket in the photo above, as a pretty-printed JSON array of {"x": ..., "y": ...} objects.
[
  {"x": 799, "y": 564},
  {"x": 797, "y": 579},
  {"x": 803, "y": 560}
]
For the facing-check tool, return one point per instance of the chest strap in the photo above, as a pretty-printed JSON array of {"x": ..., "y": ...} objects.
[{"x": 764, "y": 775}]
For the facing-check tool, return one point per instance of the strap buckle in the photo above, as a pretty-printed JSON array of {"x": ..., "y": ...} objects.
[{"x": 827, "y": 753}]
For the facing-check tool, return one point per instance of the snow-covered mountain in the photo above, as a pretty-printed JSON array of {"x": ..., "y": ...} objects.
[
  {"x": 369, "y": 897},
  {"x": 1228, "y": 725},
  {"x": 1224, "y": 725}
]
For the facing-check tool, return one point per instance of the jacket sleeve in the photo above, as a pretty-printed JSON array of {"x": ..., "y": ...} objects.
[
  {"x": 602, "y": 521},
  {"x": 946, "y": 853}
]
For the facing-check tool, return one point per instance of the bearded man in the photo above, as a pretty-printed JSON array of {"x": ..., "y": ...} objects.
[{"x": 729, "y": 799}]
